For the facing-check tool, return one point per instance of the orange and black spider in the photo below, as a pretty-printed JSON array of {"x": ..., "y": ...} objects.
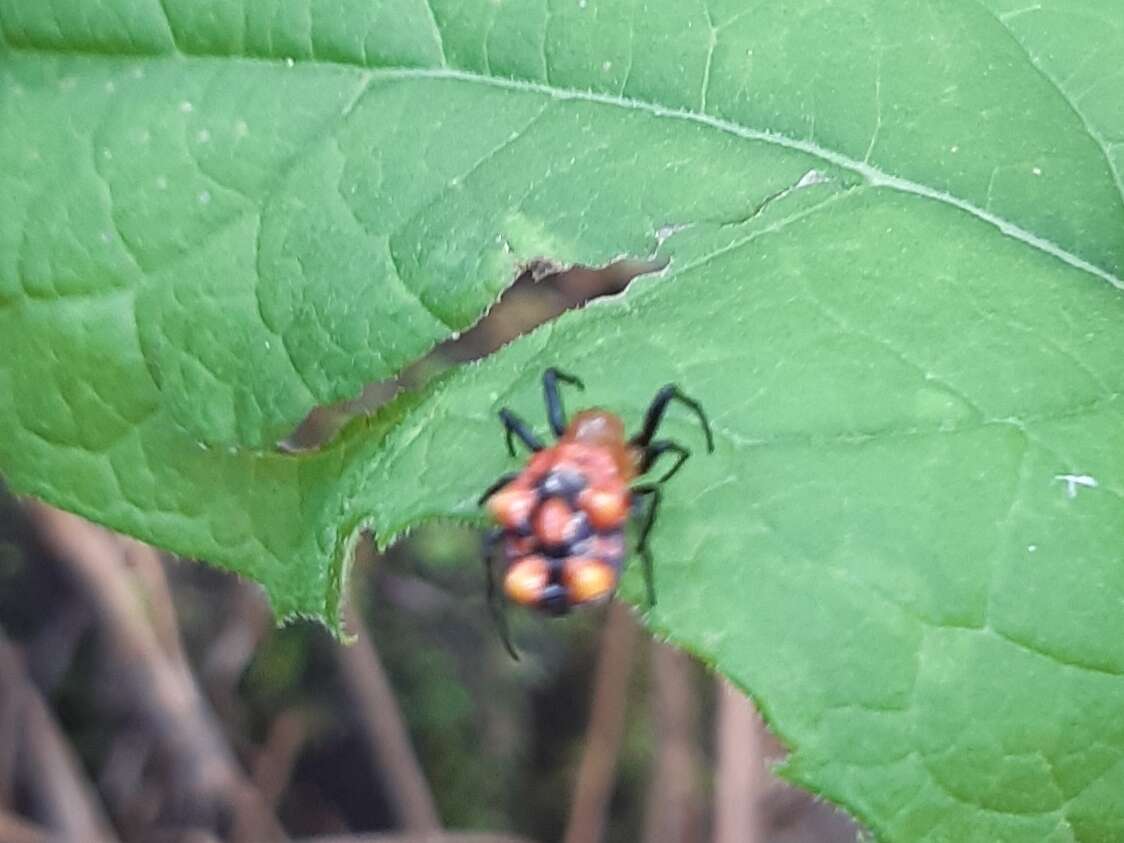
[{"x": 562, "y": 518}]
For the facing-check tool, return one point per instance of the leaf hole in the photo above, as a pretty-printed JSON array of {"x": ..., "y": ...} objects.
[{"x": 542, "y": 292}]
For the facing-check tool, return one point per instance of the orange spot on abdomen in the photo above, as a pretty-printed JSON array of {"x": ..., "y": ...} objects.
[
  {"x": 512, "y": 505},
  {"x": 556, "y": 524},
  {"x": 588, "y": 580},
  {"x": 525, "y": 581},
  {"x": 607, "y": 507}
]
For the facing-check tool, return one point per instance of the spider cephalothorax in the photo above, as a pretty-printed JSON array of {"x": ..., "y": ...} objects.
[{"x": 562, "y": 518}]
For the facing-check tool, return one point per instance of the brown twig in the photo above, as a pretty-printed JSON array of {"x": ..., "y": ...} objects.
[
  {"x": 51, "y": 648},
  {"x": 597, "y": 771},
  {"x": 674, "y": 814},
  {"x": 9, "y": 727},
  {"x": 273, "y": 765},
  {"x": 15, "y": 829},
  {"x": 62, "y": 797},
  {"x": 247, "y": 622},
  {"x": 196, "y": 835},
  {"x": 421, "y": 837},
  {"x": 145, "y": 561},
  {"x": 741, "y": 769},
  {"x": 388, "y": 741},
  {"x": 164, "y": 695},
  {"x": 124, "y": 785}
]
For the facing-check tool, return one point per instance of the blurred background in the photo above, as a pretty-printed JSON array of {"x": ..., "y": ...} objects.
[{"x": 145, "y": 698}]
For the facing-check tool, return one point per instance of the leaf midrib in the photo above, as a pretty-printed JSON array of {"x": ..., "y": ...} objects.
[{"x": 871, "y": 175}]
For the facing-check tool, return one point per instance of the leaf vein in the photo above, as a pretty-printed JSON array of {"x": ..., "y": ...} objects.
[
  {"x": 1090, "y": 129},
  {"x": 438, "y": 37},
  {"x": 871, "y": 174}
]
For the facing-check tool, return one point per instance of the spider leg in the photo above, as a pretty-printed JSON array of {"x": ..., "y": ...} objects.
[
  {"x": 657, "y": 449},
  {"x": 495, "y": 487},
  {"x": 515, "y": 426},
  {"x": 654, "y": 416},
  {"x": 496, "y": 605},
  {"x": 652, "y": 491},
  {"x": 554, "y": 410}
]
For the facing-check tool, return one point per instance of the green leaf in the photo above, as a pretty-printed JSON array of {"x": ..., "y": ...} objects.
[{"x": 896, "y": 242}]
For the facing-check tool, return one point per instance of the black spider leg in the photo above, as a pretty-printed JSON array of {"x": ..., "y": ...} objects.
[
  {"x": 655, "y": 493},
  {"x": 657, "y": 449},
  {"x": 554, "y": 411},
  {"x": 515, "y": 426},
  {"x": 656, "y": 410},
  {"x": 496, "y": 606}
]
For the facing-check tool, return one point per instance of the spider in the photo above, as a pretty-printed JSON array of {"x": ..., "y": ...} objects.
[{"x": 562, "y": 518}]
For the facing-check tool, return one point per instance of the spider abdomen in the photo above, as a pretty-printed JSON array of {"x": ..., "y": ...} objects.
[{"x": 563, "y": 534}]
